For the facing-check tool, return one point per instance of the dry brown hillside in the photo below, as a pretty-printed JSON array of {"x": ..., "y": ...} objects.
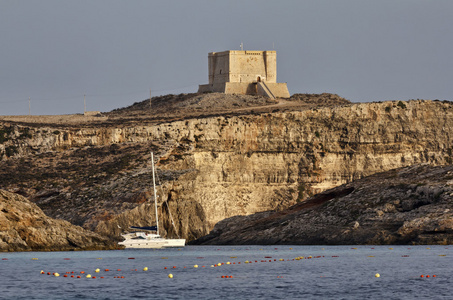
[{"x": 185, "y": 106}]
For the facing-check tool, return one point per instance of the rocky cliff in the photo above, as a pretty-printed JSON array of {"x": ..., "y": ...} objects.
[
  {"x": 214, "y": 161},
  {"x": 24, "y": 227},
  {"x": 411, "y": 205}
]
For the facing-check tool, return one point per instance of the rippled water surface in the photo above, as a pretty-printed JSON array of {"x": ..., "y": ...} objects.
[{"x": 333, "y": 272}]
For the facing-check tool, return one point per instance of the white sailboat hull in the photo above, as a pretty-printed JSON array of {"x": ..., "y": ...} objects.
[
  {"x": 141, "y": 239},
  {"x": 153, "y": 244},
  {"x": 145, "y": 240},
  {"x": 175, "y": 243},
  {"x": 134, "y": 244}
]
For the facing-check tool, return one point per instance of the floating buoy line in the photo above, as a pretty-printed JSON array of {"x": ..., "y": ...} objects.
[{"x": 120, "y": 274}]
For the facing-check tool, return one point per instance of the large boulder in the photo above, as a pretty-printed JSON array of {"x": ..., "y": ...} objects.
[{"x": 24, "y": 227}]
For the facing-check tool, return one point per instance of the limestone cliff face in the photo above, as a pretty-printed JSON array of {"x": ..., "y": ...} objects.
[
  {"x": 410, "y": 205},
  {"x": 239, "y": 165},
  {"x": 24, "y": 227}
]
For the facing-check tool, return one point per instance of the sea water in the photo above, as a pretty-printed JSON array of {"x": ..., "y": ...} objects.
[{"x": 245, "y": 272}]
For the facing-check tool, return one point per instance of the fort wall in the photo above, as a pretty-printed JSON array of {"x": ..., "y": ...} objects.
[{"x": 238, "y": 72}]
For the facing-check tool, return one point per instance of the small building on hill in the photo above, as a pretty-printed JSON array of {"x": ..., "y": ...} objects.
[{"x": 244, "y": 72}]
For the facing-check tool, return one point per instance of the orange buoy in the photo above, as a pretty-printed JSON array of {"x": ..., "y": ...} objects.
[
  {"x": 82, "y": 272},
  {"x": 119, "y": 270},
  {"x": 106, "y": 270},
  {"x": 427, "y": 276},
  {"x": 422, "y": 276},
  {"x": 65, "y": 275},
  {"x": 78, "y": 276}
]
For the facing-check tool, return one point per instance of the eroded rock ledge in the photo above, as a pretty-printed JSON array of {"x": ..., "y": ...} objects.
[
  {"x": 411, "y": 205},
  {"x": 24, "y": 227}
]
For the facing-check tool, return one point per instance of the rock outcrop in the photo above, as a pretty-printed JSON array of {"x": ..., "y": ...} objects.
[
  {"x": 411, "y": 205},
  {"x": 24, "y": 227},
  {"x": 217, "y": 161}
]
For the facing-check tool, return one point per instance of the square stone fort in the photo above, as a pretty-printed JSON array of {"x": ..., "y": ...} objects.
[{"x": 244, "y": 72}]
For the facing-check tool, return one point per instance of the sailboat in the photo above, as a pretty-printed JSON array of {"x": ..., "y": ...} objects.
[{"x": 148, "y": 237}]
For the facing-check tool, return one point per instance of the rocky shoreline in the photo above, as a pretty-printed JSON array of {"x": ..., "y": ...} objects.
[
  {"x": 411, "y": 205},
  {"x": 24, "y": 227}
]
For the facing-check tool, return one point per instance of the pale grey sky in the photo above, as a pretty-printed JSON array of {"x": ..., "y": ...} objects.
[{"x": 55, "y": 51}]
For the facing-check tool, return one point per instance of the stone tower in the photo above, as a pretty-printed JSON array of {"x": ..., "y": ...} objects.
[{"x": 244, "y": 72}]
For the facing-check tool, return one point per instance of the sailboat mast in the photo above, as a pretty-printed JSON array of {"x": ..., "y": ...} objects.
[{"x": 155, "y": 196}]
